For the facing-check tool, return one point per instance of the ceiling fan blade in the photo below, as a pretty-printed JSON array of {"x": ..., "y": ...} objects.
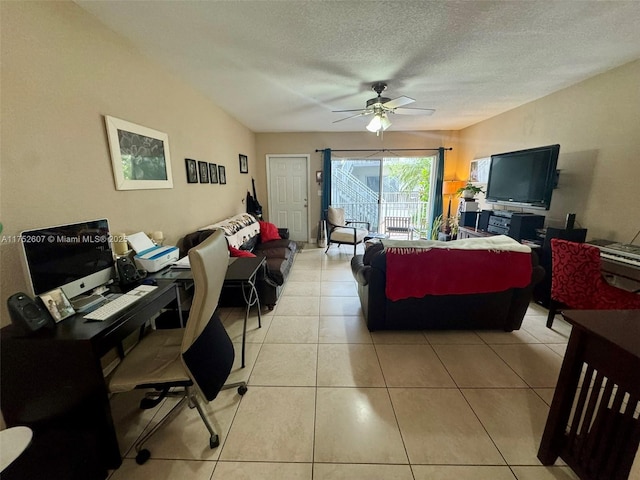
[
  {"x": 398, "y": 102},
  {"x": 414, "y": 111},
  {"x": 345, "y": 111},
  {"x": 352, "y": 116}
]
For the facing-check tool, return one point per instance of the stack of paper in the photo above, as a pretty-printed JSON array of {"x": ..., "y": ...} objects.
[{"x": 182, "y": 263}]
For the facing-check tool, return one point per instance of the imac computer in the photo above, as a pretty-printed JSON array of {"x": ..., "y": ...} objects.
[{"x": 76, "y": 258}]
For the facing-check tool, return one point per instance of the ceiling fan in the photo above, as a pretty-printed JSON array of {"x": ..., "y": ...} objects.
[{"x": 381, "y": 106}]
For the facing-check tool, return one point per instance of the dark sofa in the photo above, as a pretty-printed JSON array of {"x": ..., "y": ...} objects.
[
  {"x": 502, "y": 310},
  {"x": 243, "y": 232}
]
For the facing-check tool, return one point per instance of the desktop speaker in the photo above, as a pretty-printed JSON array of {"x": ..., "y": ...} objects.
[
  {"x": 523, "y": 226},
  {"x": 468, "y": 219},
  {"x": 571, "y": 221},
  {"x": 483, "y": 221},
  {"x": 26, "y": 314},
  {"x": 127, "y": 271}
]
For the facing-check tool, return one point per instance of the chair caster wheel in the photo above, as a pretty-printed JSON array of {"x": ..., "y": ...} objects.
[
  {"x": 214, "y": 441},
  {"x": 242, "y": 390},
  {"x": 142, "y": 456}
]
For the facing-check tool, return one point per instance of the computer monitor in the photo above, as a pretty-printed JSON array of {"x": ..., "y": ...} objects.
[{"x": 76, "y": 257}]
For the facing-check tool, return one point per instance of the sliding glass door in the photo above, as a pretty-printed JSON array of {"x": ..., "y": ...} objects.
[{"x": 391, "y": 193}]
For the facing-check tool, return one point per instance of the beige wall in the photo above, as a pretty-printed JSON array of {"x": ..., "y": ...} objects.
[
  {"x": 596, "y": 123},
  {"x": 62, "y": 72},
  {"x": 308, "y": 143}
]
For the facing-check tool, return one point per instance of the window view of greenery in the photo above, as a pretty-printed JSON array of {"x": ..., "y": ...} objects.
[
  {"x": 394, "y": 199},
  {"x": 414, "y": 175}
]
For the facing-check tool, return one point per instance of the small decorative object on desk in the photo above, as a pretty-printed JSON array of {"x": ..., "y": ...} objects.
[
  {"x": 157, "y": 237},
  {"x": 120, "y": 244},
  {"x": 58, "y": 304}
]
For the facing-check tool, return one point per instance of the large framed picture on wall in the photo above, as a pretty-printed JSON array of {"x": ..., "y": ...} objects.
[{"x": 139, "y": 156}]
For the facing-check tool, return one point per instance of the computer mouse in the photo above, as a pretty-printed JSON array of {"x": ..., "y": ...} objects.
[{"x": 149, "y": 281}]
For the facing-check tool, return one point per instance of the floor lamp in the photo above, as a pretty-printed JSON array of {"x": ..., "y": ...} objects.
[{"x": 450, "y": 187}]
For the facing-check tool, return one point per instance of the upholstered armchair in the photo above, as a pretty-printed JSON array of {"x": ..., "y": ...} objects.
[
  {"x": 577, "y": 282},
  {"x": 341, "y": 231}
]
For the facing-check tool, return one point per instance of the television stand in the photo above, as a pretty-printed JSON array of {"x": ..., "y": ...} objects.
[{"x": 470, "y": 232}]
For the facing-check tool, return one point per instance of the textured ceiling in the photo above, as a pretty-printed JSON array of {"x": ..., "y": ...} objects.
[{"x": 283, "y": 66}]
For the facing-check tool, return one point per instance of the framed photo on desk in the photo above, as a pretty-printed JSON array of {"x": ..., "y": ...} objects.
[{"x": 58, "y": 304}]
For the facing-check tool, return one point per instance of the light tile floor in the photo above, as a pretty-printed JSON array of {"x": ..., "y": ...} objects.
[{"x": 328, "y": 399}]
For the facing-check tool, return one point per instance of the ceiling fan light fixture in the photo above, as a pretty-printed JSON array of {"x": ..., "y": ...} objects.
[
  {"x": 379, "y": 123},
  {"x": 375, "y": 125},
  {"x": 385, "y": 122}
]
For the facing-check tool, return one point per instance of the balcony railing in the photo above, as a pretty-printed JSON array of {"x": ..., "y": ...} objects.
[
  {"x": 416, "y": 212},
  {"x": 361, "y": 203}
]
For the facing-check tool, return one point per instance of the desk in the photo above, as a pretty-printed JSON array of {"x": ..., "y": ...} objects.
[
  {"x": 241, "y": 273},
  {"x": 600, "y": 440},
  {"x": 55, "y": 376}
]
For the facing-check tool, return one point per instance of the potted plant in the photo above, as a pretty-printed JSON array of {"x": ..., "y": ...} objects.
[{"x": 469, "y": 191}]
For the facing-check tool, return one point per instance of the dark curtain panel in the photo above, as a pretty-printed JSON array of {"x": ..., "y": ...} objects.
[
  {"x": 326, "y": 181},
  {"x": 436, "y": 208}
]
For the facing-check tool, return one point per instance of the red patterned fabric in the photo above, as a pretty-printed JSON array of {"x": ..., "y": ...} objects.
[
  {"x": 577, "y": 280},
  {"x": 441, "y": 271},
  {"x": 236, "y": 252},
  {"x": 268, "y": 231}
]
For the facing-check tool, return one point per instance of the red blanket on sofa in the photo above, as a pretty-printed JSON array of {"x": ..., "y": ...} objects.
[{"x": 451, "y": 268}]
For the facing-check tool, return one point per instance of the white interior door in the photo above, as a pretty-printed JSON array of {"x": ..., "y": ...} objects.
[{"x": 288, "y": 183}]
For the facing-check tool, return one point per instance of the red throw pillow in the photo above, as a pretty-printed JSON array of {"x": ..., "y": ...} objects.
[
  {"x": 268, "y": 231},
  {"x": 236, "y": 252}
]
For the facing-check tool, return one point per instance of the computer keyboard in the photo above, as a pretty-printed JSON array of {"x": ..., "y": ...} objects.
[{"x": 112, "y": 307}]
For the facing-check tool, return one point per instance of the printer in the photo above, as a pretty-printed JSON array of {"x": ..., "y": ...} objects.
[{"x": 149, "y": 256}]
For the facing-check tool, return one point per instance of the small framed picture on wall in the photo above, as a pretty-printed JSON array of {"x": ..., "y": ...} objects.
[
  {"x": 244, "y": 164},
  {"x": 192, "y": 170},
  {"x": 213, "y": 173},
  {"x": 222, "y": 175},
  {"x": 204, "y": 172},
  {"x": 479, "y": 170}
]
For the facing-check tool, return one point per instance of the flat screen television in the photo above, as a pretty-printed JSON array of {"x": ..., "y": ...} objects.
[
  {"x": 76, "y": 257},
  {"x": 523, "y": 178}
]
